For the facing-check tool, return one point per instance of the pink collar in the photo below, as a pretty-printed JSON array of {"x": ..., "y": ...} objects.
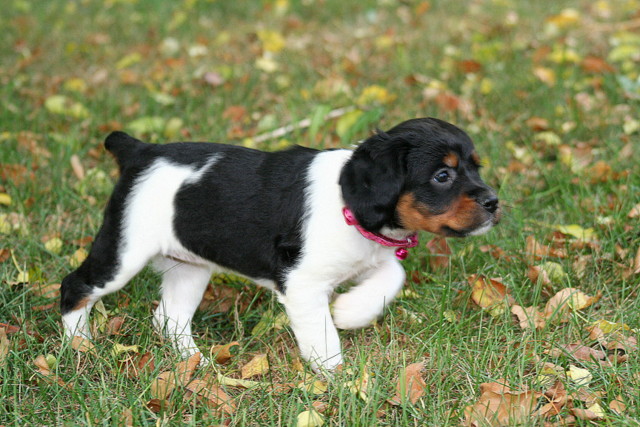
[{"x": 402, "y": 245}]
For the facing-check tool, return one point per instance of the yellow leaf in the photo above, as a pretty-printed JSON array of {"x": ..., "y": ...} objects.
[
  {"x": 60, "y": 104},
  {"x": 314, "y": 387},
  {"x": 346, "y": 122},
  {"x": 128, "y": 60},
  {"x": 565, "y": 19},
  {"x": 257, "y": 366},
  {"x": 310, "y": 419},
  {"x": 579, "y": 376},
  {"x": 272, "y": 41},
  {"x": 375, "y": 95},
  {"x": 267, "y": 64},
  {"x": 120, "y": 348},
  {"x": 234, "y": 382},
  {"x": 78, "y": 257},
  {"x": 597, "y": 410},
  {"x": 546, "y": 75},
  {"x": 5, "y": 345},
  {"x": 5, "y": 199},
  {"x": 574, "y": 230},
  {"x": 53, "y": 245},
  {"x": 76, "y": 84},
  {"x": 609, "y": 327}
]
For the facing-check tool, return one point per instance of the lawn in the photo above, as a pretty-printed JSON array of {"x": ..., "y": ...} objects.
[{"x": 534, "y": 323}]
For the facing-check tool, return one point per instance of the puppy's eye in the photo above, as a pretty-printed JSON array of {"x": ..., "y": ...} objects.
[{"x": 442, "y": 176}]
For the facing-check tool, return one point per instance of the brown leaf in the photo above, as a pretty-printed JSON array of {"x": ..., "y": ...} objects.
[
  {"x": 9, "y": 329},
  {"x": 76, "y": 166},
  {"x": 114, "y": 325},
  {"x": 617, "y": 405},
  {"x": 440, "y": 253},
  {"x": 586, "y": 414},
  {"x": 636, "y": 263},
  {"x": 495, "y": 251},
  {"x": 488, "y": 293},
  {"x": 82, "y": 345},
  {"x": 223, "y": 353},
  {"x": 411, "y": 386},
  {"x": 529, "y": 316},
  {"x": 596, "y": 65},
  {"x": 566, "y": 300},
  {"x": 556, "y": 397},
  {"x": 5, "y": 345},
  {"x": 256, "y": 366},
  {"x": 157, "y": 405},
  {"x": 212, "y": 395},
  {"x": 538, "y": 251},
  {"x": 46, "y": 291},
  {"x": 136, "y": 363},
  {"x": 537, "y": 124},
  {"x": 17, "y": 174},
  {"x": 235, "y": 113},
  {"x": 469, "y": 66},
  {"x": 578, "y": 351},
  {"x": 5, "y": 254},
  {"x": 634, "y": 213},
  {"x": 498, "y": 405},
  {"x": 167, "y": 381}
]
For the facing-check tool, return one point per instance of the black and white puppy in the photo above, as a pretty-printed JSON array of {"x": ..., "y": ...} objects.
[{"x": 194, "y": 209}]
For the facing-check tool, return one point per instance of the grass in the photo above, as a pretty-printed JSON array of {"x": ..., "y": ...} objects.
[{"x": 511, "y": 73}]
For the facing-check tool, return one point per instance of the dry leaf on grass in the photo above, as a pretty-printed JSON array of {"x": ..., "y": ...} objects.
[
  {"x": 578, "y": 351},
  {"x": 5, "y": 345},
  {"x": 309, "y": 418},
  {"x": 498, "y": 405},
  {"x": 592, "y": 413},
  {"x": 568, "y": 299},
  {"x": 537, "y": 250},
  {"x": 529, "y": 317},
  {"x": 167, "y": 381},
  {"x": 489, "y": 294},
  {"x": 411, "y": 386},
  {"x": 223, "y": 353},
  {"x": 82, "y": 345},
  {"x": 617, "y": 405},
  {"x": 257, "y": 366},
  {"x": 440, "y": 253},
  {"x": 556, "y": 397},
  {"x": 212, "y": 395}
]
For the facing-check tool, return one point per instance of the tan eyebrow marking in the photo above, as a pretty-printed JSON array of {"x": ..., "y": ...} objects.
[
  {"x": 451, "y": 160},
  {"x": 476, "y": 159}
]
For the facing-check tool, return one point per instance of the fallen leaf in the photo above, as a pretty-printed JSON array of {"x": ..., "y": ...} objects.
[
  {"x": 212, "y": 395},
  {"x": 440, "y": 253},
  {"x": 5, "y": 345},
  {"x": 574, "y": 230},
  {"x": 489, "y": 294},
  {"x": 313, "y": 387},
  {"x": 634, "y": 212},
  {"x": 592, "y": 413},
  {"x": 545, "y": 75},
  {"x": 617, "y": 405},
  {"x": 114, "y": 325},
  {"x": 596, "y": 65},
  {"x": 47, "y": 291},
  {"x": 121, "y": 348},
  {"x": 167, "y": 381},
  {"x": 568, "y": 299},
  {"x": 498, "y": 405},
  {"x": 547, "y": 274},
  {"x": 259, "y": 365},
  {"x": 537, "y": 250},
  {"x": 529, "y": 317},
  {"x": 82, "y": 345},
  {"x": 60, "y": 104},
  {"x": 411, "y": 386},
  {"x": 556, "y": 397},
  {"x": 578, "y": 351},
  {"x": 54, "y": 245},
  {"x": 5, "y": 199},
  {"x": 360, "y": 385},
  {"x": 579, "y": 376},
  {"x": 78, "y": 257},
  {"x": 223, "y": 353},
  {"x": 309, "y": 418},
  {"x": 76, "y": 166}
]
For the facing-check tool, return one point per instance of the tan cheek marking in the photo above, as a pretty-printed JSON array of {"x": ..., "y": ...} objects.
[
  {"x": 476, "y": 159},
  {"x": 464, "y": 213},
  {"x": 451, "y": 160}
]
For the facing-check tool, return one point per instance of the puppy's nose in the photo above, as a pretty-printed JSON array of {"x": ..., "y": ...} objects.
[{"x": 489, "y": 202}]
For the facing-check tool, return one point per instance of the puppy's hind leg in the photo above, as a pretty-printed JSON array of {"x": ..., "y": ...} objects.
[
  {"x": 183, "y": 286},
  {"x": 363, "y": 303},
  {"x": 101, "y": 273}
]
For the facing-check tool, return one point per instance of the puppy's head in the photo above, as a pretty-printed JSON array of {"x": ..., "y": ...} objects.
[{"x": 420, "y": 175}]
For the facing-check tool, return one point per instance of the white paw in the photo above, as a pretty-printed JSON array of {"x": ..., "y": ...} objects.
[{"x": 351, "y": 311}]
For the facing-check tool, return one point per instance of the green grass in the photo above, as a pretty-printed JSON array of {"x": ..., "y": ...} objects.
[{"x": 129, "y": 60}]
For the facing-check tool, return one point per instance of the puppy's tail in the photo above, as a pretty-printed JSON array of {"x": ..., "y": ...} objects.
[{"x": 124, "y": 147}]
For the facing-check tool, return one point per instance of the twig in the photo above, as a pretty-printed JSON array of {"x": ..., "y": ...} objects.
[{"x": 282, "y": 131}]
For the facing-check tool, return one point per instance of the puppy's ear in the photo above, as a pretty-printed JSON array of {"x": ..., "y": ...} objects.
[{"x": 373, "y": 178}]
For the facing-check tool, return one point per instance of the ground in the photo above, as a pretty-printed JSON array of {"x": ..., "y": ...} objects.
[{"x": 548, "y": 90}]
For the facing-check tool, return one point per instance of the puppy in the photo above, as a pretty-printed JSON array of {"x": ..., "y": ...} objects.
[{"x": 298, "y": 222}]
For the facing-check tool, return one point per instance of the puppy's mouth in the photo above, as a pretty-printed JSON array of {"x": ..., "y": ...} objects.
[{"x": 466, "y": 218}]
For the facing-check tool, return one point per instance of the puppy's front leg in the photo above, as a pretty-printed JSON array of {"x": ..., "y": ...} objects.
[
  {"x": 307, "y": 306},
  {"x": 364, "y": 302}
]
